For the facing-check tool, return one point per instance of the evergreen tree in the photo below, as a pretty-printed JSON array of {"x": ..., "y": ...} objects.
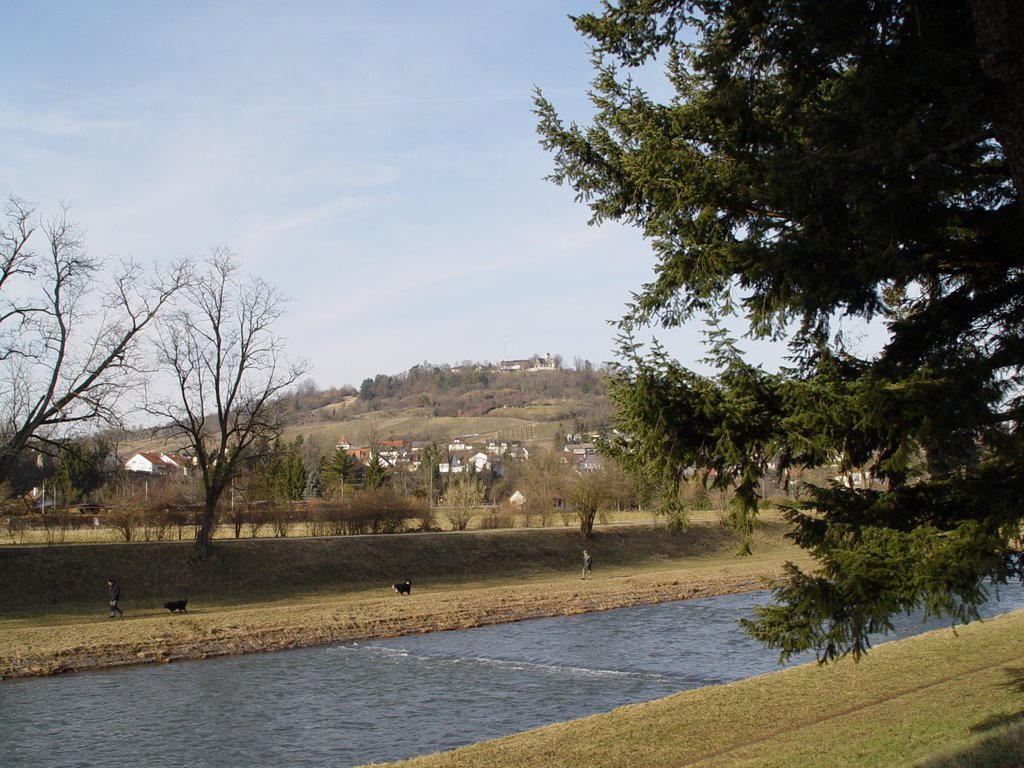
[
  {"x": 79, "y": 470},
  {"x": 314, "y": 489},
  {"x": 375, "y": 474},
  {"x": 282, "y": 476},
  {"x": 821, "y": 162},
  {"x": 291, "y": 480},
  {"x": 342, "y": 468},
  {"x": 429, "y": 467}
]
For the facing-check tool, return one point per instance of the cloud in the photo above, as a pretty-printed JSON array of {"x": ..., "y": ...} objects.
[{"x": 60, "y": 123}]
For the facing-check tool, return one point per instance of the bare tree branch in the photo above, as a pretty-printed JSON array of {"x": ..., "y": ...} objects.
[
  {"x": 70, "y": 327},
  {"x": 228, "y": 369}
]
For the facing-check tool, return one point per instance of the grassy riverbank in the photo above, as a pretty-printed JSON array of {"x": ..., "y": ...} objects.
[
  {"x": 936, "y": 701},
  {"x": 39, "y": 580},
  {"x": 275, "y": 594}
]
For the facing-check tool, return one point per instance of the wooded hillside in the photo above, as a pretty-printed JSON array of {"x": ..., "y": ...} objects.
[{"x": 438, "y": 402}]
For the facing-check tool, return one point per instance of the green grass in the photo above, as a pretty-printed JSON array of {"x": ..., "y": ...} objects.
[{"x": 943, "y": 693}]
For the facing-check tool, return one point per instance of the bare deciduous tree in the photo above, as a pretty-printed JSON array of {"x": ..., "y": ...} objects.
[
  {"x": 69, "y": 330},
  {"x": 543, "y": 480},
  {"x": 228, "y": 368},
  {"x": 587, "y": 492},
  {"x": 465, "y": 493}
]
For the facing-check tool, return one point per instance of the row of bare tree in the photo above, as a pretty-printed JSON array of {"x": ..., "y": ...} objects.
[
  {"x": 82, "y": 339},
  {"x": 377, "y": 512}
]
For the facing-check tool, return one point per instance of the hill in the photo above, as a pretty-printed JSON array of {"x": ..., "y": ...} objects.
[{"x": 439, "y": 402}]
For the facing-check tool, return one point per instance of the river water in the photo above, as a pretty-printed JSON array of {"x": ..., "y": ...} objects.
[{"x": 350, "y": 704}]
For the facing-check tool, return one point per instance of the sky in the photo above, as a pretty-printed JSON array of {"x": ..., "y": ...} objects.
[{"x": 378, "y": 163}]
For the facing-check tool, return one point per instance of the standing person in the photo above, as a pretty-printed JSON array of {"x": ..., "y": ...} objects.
[
  {"x": 114, "y": 595},
  {"x": 588, "y": 563}
]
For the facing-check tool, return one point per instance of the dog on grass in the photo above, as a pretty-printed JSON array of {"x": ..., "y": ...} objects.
[
  {"x": 176, "y": 605},
  {"x": 403, "y": 588}
]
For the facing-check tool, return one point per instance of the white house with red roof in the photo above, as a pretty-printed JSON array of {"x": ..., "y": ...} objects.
[{"x": 159, "y": 463}]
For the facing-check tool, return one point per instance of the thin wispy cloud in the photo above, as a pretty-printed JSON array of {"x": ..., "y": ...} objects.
[{"x": 54, "y": 122}]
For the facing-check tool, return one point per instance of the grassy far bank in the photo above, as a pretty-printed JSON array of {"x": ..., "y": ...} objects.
[
  {"x": 930, "y": 701},
  {"x": 37, "y": 580},
  {"x": 274, "y": 594}
]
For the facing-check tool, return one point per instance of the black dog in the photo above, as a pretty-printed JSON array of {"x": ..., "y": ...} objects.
[
  {"x": 176, "y": 605},
  {"x": 403, "y": 588}
]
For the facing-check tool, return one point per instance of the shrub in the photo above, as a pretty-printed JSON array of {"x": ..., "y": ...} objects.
[
  {"x": 425, "y": 514},
  {"x": 56, "y": 528},
  {"x": 16, "y": 526},
  {"x": 318, "y": 520},
  {"x": 376, "y": 511},
  {"x": 126, "y": 521},
  {"x": 282, "y": 520},
  {"x": 459, "y": 517},
  {"x": 182, "y": 517},
  {"x": 155, "y": 525},
  {"x": 501, "y": 518}
]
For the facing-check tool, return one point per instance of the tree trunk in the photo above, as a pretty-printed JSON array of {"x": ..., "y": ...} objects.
[
  {"x": 204, "y": 534},
  {"x": 587, "y": 522}
]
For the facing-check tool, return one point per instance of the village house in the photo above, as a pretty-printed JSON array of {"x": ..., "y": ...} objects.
[
  {"x": 458, "y": 445},
  {"x": 453, "y": 467},
  {"x": 394, "y": 451},
  {"x": 365, "y": 455},
  {"x": 517, "y": 451},
  {"x": 514, "y": 449},
  {"x": 159, "y": 463},
  {"x": 480, "y": 462},
  {"x": 458, "y": 455},
  {"x": 390, "y": 453},
  {"x": 583, "y": 456},
  {"x": 496, "y": 447},
  {"x": 41, "y": 500}
]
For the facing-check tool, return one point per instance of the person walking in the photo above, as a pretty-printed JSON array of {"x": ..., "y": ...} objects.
[
  {"x": 114, "y": 595},
  {"x": 588, "y": 563}
]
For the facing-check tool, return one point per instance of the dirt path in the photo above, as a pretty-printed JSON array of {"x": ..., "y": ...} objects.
[{"x": 58, "y": 646}]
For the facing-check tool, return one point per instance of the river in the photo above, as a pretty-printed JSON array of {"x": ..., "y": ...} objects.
[{"x": 384, "y": 700}]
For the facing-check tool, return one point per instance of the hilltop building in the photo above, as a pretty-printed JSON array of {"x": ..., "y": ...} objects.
[{"x": 535, "y": 363}]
